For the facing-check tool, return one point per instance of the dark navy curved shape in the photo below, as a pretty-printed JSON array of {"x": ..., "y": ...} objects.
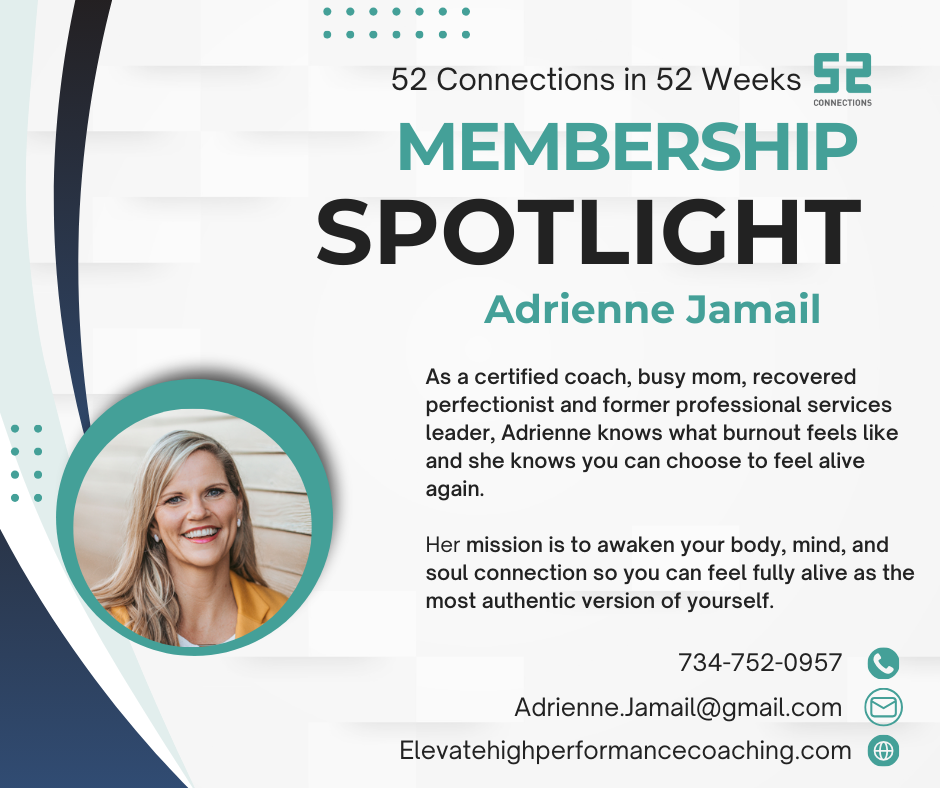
[
  {"x": 86, "y": 32},
  {"x": 58, "y": 727}
]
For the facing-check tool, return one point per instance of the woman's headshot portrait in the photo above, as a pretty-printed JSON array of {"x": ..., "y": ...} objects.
[{"x": 170, "y": 542}]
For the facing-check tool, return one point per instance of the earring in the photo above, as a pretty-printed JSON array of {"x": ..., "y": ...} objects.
[
  {"x": 156, "y": 537},
  {"x": 238, "y": 523}
]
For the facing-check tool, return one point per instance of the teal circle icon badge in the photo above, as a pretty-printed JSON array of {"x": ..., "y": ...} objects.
[
  {"x": 884, "y": 663},
  {"x": 883, "y": 707},
  {"x": 883, "y": 750}
]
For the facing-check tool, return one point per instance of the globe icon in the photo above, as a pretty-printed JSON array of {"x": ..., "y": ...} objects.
[{"x": 883, "y": 751}]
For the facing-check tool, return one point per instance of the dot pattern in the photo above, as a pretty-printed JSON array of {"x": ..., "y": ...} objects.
[
  {"x": 15, "y": 450},
  {"x": 374, "y": 34}
]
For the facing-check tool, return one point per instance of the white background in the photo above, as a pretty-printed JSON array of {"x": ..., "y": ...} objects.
[{"x": 219, "y": 129}]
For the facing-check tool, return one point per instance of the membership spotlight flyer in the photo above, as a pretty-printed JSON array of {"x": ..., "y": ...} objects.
[{"x": 502, "y": 392}]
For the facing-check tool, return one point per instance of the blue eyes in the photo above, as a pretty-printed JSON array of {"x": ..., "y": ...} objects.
[{"x": 213, "y": 493}]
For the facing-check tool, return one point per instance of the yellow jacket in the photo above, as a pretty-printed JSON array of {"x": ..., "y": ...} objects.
[{"x": 256, "y": 605}]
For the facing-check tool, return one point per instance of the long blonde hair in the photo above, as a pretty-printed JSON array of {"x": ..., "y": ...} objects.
[{"x": 142, "y": 582}]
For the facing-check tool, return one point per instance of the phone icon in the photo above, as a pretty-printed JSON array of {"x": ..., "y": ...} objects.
[
  {"x": 886, "y": 669},
  {"x": 883, "y": 663}
]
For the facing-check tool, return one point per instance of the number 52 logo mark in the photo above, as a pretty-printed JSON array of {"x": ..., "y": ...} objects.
[{"x": 853, "y": 73}]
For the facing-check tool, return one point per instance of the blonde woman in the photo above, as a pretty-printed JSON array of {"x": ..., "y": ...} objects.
[{"x": 188, "y": 575}]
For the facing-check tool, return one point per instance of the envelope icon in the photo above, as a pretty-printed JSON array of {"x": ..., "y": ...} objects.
[{"x": 883, "y": 707}]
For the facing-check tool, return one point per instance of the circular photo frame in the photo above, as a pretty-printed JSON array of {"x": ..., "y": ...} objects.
[{"x": 223, "y": 398}]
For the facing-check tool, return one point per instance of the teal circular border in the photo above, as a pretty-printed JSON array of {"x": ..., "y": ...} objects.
[{"x": 200, "y": 395}]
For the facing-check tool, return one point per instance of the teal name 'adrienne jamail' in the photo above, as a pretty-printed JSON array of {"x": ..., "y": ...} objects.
[{"x": 700, "y": 309}]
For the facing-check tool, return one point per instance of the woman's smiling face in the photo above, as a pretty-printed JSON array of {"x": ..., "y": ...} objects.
[{"x": 197, "y": 513}]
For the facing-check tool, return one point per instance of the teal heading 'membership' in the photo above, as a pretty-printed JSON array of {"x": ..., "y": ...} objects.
[{"x": 631, "y": 146}]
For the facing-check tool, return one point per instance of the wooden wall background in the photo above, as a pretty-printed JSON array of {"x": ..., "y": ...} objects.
[{"x": 279, "y": 508}]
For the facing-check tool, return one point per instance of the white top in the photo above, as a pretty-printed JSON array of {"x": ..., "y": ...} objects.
[{"x": 184, "y": 642}]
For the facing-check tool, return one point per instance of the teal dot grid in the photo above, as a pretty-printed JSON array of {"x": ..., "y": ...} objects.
[{"x": 396, "y": 34}]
